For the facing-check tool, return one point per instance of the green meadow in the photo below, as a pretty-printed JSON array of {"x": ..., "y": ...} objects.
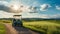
[
  {"x": 44, "y": 26},
  {"x": 2, "y": 29},
  {"x": 41, "y": 26},
  {"x": 2, "y": 26}
]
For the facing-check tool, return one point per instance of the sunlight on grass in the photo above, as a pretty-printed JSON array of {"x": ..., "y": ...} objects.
[
  {"x": 44, "y": 27},
  {"x": 2, "y": 29}
]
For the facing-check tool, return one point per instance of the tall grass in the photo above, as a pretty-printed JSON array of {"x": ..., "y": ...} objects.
[
  {"x": 44, "y": 27},
  {"x": 2, "y": 29},
  {"x": 5, "y": 21}
]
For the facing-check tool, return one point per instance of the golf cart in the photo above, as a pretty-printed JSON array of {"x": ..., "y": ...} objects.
[{"x": 17, "y": 21}]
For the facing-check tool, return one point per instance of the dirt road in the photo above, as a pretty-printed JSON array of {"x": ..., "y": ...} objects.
[{"x": 17, "y": 30}]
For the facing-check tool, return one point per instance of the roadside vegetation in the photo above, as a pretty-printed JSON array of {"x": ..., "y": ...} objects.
[
  {"x": 6, "y": 21},
  {"x": 2, "y": 29},
  {"x": 2, "y": 26},
  {"x": 41, "y": 26},
  {"x": 44, "y": 26}
]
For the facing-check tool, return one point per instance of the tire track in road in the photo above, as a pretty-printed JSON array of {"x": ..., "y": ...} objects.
[
  {"x": 18, "y": 30},
  {"x": 10, "y": 29}
]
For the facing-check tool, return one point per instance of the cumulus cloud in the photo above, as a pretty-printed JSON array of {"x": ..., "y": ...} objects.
[
  {"x": 5, "y": 6},
  {"x": 56, "y": 16},
  {"x": 43, "y": 16},
  {"x": 58, "y": 7},
  {"x": 4, "y": 14},
  {"x": 33, "y": 9},
  {"x": 49, "y": 16},
  {"x": 29, "y": 9},
  {"x": 34, "y": 15},
  {"x": 25, "y": 8},
  {"x": 44, "y": 7},
  {"x": 4, "y": 3}
]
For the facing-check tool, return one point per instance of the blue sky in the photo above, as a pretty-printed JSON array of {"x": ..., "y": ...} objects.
[{"x": 44, "y": 8}]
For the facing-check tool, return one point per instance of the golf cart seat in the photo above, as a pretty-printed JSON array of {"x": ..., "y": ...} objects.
[{"x": 17, "y": 22}]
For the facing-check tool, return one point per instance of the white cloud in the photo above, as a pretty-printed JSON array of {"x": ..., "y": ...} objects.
[
  {"x": 44, "y": 7},
  {"x": 25, "y": 8},
  {"x": 57, "y": 7},
  {"x": 43, "y": 16},
  {"x": 28, "y": 15},
  {"x": 49, "y": 16},
  {"x": 4, "y": 14},
  {"x": 4, "y": 3},
  {"x": 34, "y": 15},
  {"x": 56, "y": 16}
]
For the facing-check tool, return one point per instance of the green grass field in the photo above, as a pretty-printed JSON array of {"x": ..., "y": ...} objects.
[
  {"x": 2, "y": 26},
  {"x": 2, "y": 29},
  {"x": 44, "y": 26}
]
